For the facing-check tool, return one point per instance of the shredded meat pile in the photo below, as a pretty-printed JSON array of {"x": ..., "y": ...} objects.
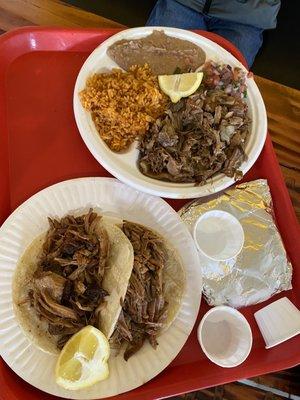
[
  {"x": 201, "y": 135},
  {"x": 144, "y": 309},
  {"x": 67, "y": 284}
]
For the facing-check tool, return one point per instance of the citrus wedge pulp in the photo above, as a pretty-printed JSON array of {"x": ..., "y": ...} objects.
[
  {"x": 180, "y": 85},
  {"x": 83, "y": 360}
]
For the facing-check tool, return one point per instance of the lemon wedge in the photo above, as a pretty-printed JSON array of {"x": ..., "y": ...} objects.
[
  {"x": 180, "y": 85},
  {"x": 83, "y": 360}
]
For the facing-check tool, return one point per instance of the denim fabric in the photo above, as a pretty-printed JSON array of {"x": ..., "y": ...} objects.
[{"x": 248, "y": 39}]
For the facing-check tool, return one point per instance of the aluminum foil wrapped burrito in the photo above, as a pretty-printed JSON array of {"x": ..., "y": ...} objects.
[{"x": 262, "y": 268}]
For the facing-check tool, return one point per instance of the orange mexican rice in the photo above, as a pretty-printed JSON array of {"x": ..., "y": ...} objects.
[{"x": 123, "y": 104}]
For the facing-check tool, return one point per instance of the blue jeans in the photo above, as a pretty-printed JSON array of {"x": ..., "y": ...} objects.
[{"x": 248, "y": 39}]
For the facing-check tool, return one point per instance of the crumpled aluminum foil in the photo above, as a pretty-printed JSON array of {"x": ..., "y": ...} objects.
[{"x": 262, "y": 268}]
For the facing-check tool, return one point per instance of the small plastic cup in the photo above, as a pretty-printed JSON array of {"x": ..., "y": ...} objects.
[
  {"x": 225, "y": 336},
  {"x": 278, "y": 322},
  {"x": 218, "y": 235}
]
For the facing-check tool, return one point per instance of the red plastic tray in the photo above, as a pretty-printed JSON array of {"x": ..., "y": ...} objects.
[{"x": 40, "y": 145}]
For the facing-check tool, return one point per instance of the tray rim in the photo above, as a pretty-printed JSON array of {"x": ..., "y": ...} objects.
[{"x": 190, "y": 383}]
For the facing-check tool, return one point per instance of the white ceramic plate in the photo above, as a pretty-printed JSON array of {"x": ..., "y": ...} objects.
[
  {"x": 112, "y": 197},
  {"x": 124, "y": 166}
]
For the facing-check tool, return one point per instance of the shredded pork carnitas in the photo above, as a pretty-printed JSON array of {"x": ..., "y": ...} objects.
[
  {"x": 144, "y": 310},
  {"x": 67, "y": 290},
  {"x": 201, "y": 135}
]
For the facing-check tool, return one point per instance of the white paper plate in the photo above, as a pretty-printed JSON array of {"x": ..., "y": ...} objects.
[
  {"x": 124, "y": 166},
  {"x": 111, "y": 196}
]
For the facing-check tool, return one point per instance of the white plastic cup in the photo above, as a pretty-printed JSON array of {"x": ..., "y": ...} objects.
[
  {"x": 278, "y": 322},
  {"x": 225, "y": 336},
  {"x": 218, "y": 235}
]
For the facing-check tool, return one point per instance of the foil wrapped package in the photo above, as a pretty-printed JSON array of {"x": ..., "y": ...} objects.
[{"x": 262, "y": 268}]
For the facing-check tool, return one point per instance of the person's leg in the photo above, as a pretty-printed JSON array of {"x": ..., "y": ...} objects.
[
  {"x": 248, "y": 39},
  {"x": 171, "y": 13}
]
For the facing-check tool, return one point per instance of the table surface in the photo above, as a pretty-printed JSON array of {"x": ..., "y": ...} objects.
[{"x": 283, "y": 109}]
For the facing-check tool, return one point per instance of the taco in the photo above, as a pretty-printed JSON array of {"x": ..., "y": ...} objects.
[
  {"x": 155, "y": 291},
  {"x": 118, "y": 276},
  {"x": 75, "y": 274}
]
